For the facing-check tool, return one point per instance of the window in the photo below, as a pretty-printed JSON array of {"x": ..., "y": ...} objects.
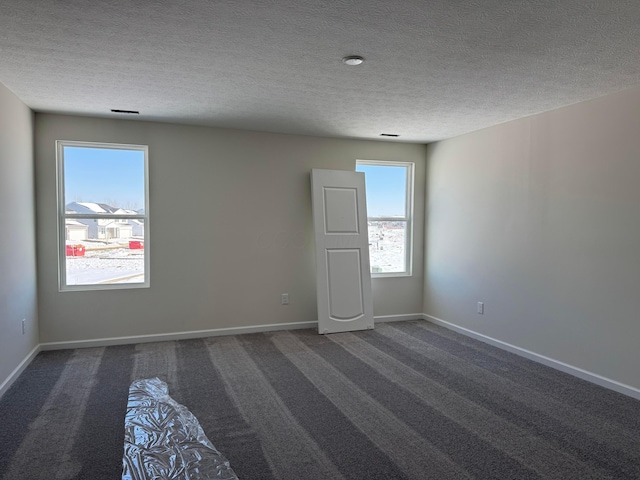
[
  {"x": 103, "y": 216},
  {"x": 390, "y": 211}
]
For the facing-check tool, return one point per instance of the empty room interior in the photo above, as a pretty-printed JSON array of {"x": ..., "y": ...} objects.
[{"x": 158, "y": 169}]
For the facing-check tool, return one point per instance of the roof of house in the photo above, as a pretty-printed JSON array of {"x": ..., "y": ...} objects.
[
  {"x": 69, "y": 222},
  {"x": 94, "y": 207}
]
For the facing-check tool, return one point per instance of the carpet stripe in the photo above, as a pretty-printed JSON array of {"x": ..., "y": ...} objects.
[
  {"x": 417, "y": 457},
  {"x": 50, "y": 438},
  {"x": 202, "y": 390},
  {"x": 571, "y": 390},
  {"x": 353, "y": 453},
  {"x": 463, "y": 446},
  {"x": 516, "y": 442},
  {"x": 27, "y": 396},
  {"x": 157, "y": 359},
  {"x": 523, "y": 407},
  {"x": 101, "y": 455},
  {"x": 291, "y": 452}
]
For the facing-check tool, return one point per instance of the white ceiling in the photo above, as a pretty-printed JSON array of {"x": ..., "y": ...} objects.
[{"x": 434, "y": 69}]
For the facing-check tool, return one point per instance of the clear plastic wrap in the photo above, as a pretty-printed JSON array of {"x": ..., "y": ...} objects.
[{"x": 164, "y": 440}]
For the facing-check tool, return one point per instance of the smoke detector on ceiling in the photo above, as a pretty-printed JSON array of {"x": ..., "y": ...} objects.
[{"x": 353, "y": 60}]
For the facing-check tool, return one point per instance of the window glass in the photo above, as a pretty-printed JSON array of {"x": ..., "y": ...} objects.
[
  {"x": 386, "y": 190},
  {"x": 389, "y": 188},
  {"x": 103, "y": 216},
  {"x": 114, "y": 177}
]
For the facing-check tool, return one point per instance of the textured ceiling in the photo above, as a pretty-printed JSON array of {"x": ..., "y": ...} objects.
[{"x": 433, "y": 69}]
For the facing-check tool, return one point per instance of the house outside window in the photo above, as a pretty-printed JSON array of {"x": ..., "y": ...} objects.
[
  {"x": 102, "y": 216},
  {"x": 389, "y": 188}
]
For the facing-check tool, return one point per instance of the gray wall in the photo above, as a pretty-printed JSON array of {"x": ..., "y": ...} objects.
[
  {"x": 17, "y": 242},
  {"x": 231, "y": 229},
  {"x": 540, "y": 219}
]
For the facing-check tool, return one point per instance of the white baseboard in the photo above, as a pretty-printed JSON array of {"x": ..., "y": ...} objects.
[
  {"x": 162, "y": 337},
  {"x": 18, "y": 370},
  {"x": 550, "y": 362},
  {"x": 104, "y": 342},
  {"x": 398, "y": 318}
]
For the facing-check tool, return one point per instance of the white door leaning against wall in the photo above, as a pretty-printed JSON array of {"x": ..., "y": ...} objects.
[{"x": 342, "y": 251}]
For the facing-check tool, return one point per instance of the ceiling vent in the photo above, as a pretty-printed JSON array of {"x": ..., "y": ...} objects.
[{"x": 129, "y": 112}]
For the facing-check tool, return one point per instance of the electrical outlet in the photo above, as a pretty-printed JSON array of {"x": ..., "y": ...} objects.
[
  {"x": 24, "y": 326},
  {"x": 284, "y": 299},
  {"x": 480, "y": 308}
]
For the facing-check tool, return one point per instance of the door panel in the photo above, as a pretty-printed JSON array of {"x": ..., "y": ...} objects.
[
  {"x": 340, "y": 210},
  {"x": 345, "y": 288},
  {"x": 342, "y": 251}
]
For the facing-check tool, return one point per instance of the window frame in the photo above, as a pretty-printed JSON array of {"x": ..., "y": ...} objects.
[
  {"x": 408, "y": 218},
  {"x": 63, "y": 216}
]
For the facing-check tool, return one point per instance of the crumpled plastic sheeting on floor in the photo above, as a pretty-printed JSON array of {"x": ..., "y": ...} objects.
[{"x": 164, "y": 440}]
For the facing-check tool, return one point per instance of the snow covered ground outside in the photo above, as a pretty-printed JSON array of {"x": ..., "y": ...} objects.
[
  {"x": 387, "y": 246},
  {"x": 101, "y": 266}
]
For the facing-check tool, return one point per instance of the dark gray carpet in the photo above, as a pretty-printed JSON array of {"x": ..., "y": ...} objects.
[{"x": 409, "y": 400}]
